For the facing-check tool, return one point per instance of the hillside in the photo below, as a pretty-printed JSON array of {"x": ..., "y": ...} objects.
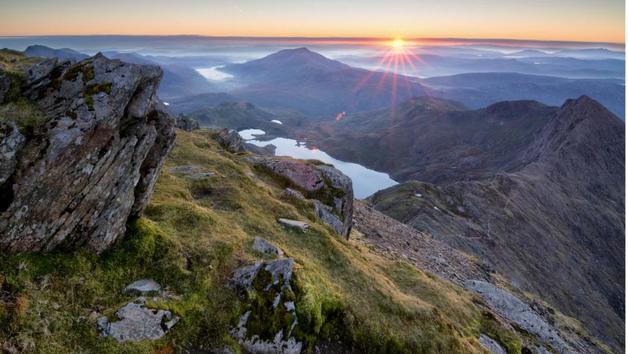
[{"x": 564, "y": 189}]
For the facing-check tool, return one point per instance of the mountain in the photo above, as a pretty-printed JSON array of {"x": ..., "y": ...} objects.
[
  {"x": 188, "y": 104},
  {"x": 477, "y": 90},
  {"x": 156, "y": 242},
  {"x": 47, "y": 52},
  {"x": 535, "y": 191},
  {"x": 308, "y": 82},
  {"x": 434, "y": 140}
]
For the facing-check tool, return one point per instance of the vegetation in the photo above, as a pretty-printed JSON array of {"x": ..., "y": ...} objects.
[{"x": 194, "y": 233}]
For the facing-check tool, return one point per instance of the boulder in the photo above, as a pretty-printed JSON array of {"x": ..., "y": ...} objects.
[
  {"x": 137, "y": 322},
  {"x": 263, "y": 246},
  {"x": 315, "y": 180},
  {"x": 105, "y": 140},
  {"x": 269, "y": 296},
  {"x": 294, "y": 224},
  {"x": 231, "y": 140},
  {"x": 11, "y": 141},
  {"x": 187, "y": 123}
]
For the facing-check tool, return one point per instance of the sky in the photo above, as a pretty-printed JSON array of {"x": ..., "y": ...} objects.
[{"x": 574, "y": 20}]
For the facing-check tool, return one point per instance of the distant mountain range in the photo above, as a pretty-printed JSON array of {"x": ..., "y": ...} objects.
[
  {"x": 318, "y": 86},
  {"x": 179, "y": 80},
  {"x": 536, "y": 191}
]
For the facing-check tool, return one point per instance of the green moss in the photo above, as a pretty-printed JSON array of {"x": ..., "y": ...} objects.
[
  {"x": 98, "y": 88},
  {"x": 89, "y": 101}
]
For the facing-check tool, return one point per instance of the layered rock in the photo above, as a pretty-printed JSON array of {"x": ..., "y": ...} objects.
[
  {"x": 331, "y": 189},
  {"x": 103, "y": 142}
]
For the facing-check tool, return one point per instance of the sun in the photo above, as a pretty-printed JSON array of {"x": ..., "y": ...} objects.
[{"x": 397, "y": 44}]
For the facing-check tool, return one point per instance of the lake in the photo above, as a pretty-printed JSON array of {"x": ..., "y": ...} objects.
[{"x": 365, "y": 181}]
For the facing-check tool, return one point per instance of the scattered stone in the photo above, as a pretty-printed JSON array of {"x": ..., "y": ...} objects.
[
  {"x": 137, "y": 323},
  {"x": 143, "y": 287},
  {"x": 516, "y": 311},
  {"x": 294, "y": 224},
  {"x": 491, "y": 345},
  {"x": 263, "y": 246}
]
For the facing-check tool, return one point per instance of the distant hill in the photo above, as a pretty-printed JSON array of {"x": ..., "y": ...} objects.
[
  {"x": 179, "y": 80},
  {"x": 477, "y": 90},
  {"x": 315, "y": 85},
  {"x": 47, "y": 52},
  {"x": 535, "y": 191}
]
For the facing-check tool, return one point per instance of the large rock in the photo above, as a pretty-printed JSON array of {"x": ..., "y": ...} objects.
[
  {"x": 318, "y": 181},
  {"x": 106, "y": 137}
]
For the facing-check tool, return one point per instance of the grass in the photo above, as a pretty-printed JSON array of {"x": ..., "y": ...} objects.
[{"x": 192, "y": 236}]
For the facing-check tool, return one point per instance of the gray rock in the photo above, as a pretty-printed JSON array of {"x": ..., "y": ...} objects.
[
  {"x": 263, "y": 246},
  {"x": 491, "y": 345},
  {"x": 187, "y": 123},
  {"x": 137, "y": 322},
  {"x": 277, "y": 284},
  {"x": 102, "y": 326},
  {"x": 324, "y": 213},
  {"x": 516, "y": 311},
  {"x": 317, "y": 181},
  {"x": 107, "y": 139},
  {"x": 11, "y": 142},
  {"x": 143, "y": 287},
  {"x": 294, "y": 224},
  {"x": 231, "y": 140},
  {"x": 267, "y": 150}
]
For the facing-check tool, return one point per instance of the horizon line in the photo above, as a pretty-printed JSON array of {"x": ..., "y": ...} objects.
[{"x": 346, "y": 38}]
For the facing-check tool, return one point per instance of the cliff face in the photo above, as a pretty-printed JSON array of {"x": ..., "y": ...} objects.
[{"x": 74, "y": 175}]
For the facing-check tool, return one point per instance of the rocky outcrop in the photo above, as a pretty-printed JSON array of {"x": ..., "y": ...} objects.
[
  {"x": 94, "y": 165},
  {"x": 231, "y": 140},
  {"x": 268, "y": 293},
  {"x": 332, "y": 190}
]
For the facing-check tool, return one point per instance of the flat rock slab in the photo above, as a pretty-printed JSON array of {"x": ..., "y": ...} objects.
[
  {"x": 142, "y": 287},
  {"x": 294, "y": 224},
  {"x": 514, "y": 310},
  {"x": 263, "y": 246},
  {"x": 137, "y": 322}
]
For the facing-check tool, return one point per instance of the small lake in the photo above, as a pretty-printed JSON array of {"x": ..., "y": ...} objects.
[
  {"x": 365, "y": 181},
  {"x": 214, "y": 73}
]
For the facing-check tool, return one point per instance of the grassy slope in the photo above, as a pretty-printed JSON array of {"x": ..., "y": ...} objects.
[{"x": 193, "y": 235}]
